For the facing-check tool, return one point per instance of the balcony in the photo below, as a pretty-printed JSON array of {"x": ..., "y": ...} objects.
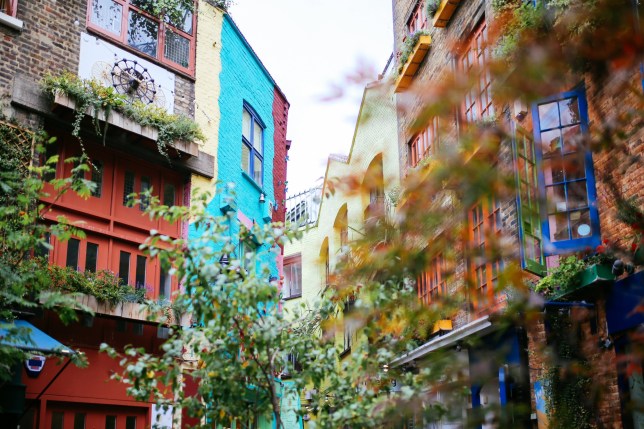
[
  {"x": 444, "y": 12},
  {"x": 416, "y": 57}
]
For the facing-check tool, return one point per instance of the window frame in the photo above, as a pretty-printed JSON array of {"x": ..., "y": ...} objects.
[
  {"x": 417, "y": 19},
  {"x": 10, "y": 8},
  {"x": 481, "y": 62},
  {"x": 162, "y": 26},
  {"x": 424, "y": 143},
  {"x": 433, "y": 281},
  {"x": 594, "y": 239},
  {"x": 255, "y": 120},
  {"x": 480, "y": 250},
  {"x": 289, "y": 262}
]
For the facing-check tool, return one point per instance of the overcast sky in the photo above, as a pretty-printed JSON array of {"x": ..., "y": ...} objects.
[{"x": 310, "y": 47}]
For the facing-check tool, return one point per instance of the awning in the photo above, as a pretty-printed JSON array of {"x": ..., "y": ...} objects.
[
  {"x": 624, "y": 303},
  {"x": 31, "y": 339}
]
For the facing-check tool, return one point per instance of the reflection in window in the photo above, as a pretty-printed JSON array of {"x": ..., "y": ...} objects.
[
  {"x": 107, "y": 15},
  {"x": 142, "y": 33}
]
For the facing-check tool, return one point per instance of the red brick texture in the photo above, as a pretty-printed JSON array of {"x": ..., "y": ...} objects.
[{"x": 280, "y": 118}]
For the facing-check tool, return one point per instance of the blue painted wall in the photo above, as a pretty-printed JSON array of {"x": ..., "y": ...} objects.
[{"x": 243, "y": 79}]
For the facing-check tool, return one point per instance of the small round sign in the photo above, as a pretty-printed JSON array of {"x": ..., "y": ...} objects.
[{"x": 583, "y": 229}]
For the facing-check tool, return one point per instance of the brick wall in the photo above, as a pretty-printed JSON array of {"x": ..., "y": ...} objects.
[
  {"x": 280, "y": 119},
  {"x": 50, "y": 42}
]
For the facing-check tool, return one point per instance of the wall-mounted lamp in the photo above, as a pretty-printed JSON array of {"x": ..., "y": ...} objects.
[{"x": 262, "y": 198}]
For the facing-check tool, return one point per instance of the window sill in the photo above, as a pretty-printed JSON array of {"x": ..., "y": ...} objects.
[
  {"x": 292, "y": 297},
  {"x": 410, "y": 68},
  {"x": 11, "y": 22},
  {"x": 252, "y": 181}
]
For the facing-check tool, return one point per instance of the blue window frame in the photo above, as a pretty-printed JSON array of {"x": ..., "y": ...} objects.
[
  {"x": 569, "y": 217},
  {"x": 252, "y": 161}
]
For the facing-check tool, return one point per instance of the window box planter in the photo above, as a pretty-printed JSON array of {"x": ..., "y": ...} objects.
[
  {"x": 410, "y": 68},
  {"x": 587, "y": 280},
  {"x": 119, "y": 120},
  {"x": 444, "y": 12},
  {"x": 442, "y": 325}
]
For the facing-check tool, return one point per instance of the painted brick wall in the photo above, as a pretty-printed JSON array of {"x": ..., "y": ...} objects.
[{"x": 280, "y": 118}]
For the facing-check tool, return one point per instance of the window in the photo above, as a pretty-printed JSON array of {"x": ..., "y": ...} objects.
[
  {"x": 165, "y": 283},
  {"x": 252, "y": 145},
  {"x": 91, "y": 257},
  {"x": 57, "y": 420},
  {"x": 484, "y": 225},
  {"x": 432, "y": 282},
  {"x": 130, "y": 22},
  {"x": 130, "y": 422},
  {"x": 418, "y": 18},
  {"x": 528, "y": 204},
  {"x": 110, "y": 422},
  {"x": 424, "y": 143},
  {"x": 169, "y": 192},
  {"x": 124, "y": 266},
  {"x": 79, "y": 421},
  {"x": 141, "y": 262},
  {"x": 348, "y": 329},
  {"x": 9, "y": 7},
  {"x": 97, "y": 178},
  {"x": 566, "y": 177},
  {"x": 128, "y": 188},
  {"x": 292, "y": 277},
  {"x": 473, "y": 62},
  {"x": 146, "y": 186},
  {"x": 73, "y": 246}
]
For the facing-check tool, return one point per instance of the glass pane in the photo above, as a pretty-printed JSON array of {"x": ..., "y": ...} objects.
[
  {"x": 180, "y": 18},
  {"x": 569, "y": 111},
  {"x": 124, "y": 267},
  {"x": 577, "y": 195},
  {"x": 146, "y": 185},
  {"x": 97, "y": 178},
  {"x": 57, "y": 420},
  {"x": 551, "y": 142},
  {"x": 245, "y": 158},
  {"x": 257, "y": 138},
  {"x": 574, "y": 166},
  {"x": 556, "y": 198},
  {"x": 580, "y": 224},
  {"x": 91, "y": 257},
  {"x": 142, "y": 33},
  {"x": 164, "y": 284},
  {"x": 141, "y": 262},
  {"x": 79, "y": 421},
  {"x": 72, "y": 253},
  {"x": 107, "y": 15},
  {"x": 128, "y": 187},
  {"x": 257, "y": 170},
  {"x": 548, "y": 116},
  {"x": 246, "y": 123},
  {"x": 558, "y": 227},
  {"x": 169, "y": 195},
  {"x": 553, "y": 171},
  {"x": 110, "y": 422},
  {"x": 573, "y": 138},
  {"x": 177, "y": 48}
]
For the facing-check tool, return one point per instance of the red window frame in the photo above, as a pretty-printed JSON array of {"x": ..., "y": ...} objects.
[
  {"x": 474, "y": 59},
  {"x": 162, "y": 27},
  {"x": 424, "y": 143},
  {"x": 484, "y": 223},
  {"x": 418, "y": 18},
  {"x": 433, "y": 281},
  {"x": 9, "y": 7}
]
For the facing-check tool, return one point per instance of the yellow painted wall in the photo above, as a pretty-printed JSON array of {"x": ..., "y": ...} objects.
[
  {"x": 375, "y": 134},
  {"x": 208, "y": 67}
]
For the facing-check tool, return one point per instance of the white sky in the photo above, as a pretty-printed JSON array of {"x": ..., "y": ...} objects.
[{"x": 310, "y": 47}]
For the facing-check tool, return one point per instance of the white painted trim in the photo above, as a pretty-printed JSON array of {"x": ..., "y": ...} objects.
[
  {"x": 471, "y": 328},
  {"x": 11, "y": 22}
]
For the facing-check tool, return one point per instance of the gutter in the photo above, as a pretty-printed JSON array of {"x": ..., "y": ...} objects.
[{"x": 478, "y": 326}]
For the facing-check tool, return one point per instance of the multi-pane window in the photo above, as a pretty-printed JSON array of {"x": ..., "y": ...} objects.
[
  {"x": 131, "y": 22},
  {"x": 292, "y": 277},
  {"x": 566, "y": 178},
  {"x": 97, "y": 178},
  {"x": 474, "y": 63},
  {"x": 424, "y": 143},
  {"x": 418, "y": 18},
  {"x": 252, "y": 145},
  {"x": 529, "y": 215},
  {"x": 433, "y": 281},
  {"x": 484, "y": 227}
]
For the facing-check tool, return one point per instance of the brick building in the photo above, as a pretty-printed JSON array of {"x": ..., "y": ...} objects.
[
  {"x": 449, "y": 39},
  {"x": 186, "y": 65}
]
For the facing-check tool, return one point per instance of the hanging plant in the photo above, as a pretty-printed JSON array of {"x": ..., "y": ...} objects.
[
  {"x": 90, "y": 94},
  {"x": 432, "y": 7}
]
